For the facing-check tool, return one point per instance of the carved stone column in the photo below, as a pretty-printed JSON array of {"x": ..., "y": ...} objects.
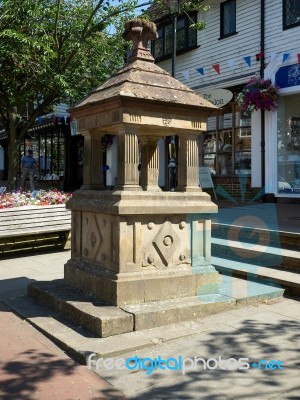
[
  {"x": 150, "y": 164},
  {"x": 128, "y": 157},
  {"x": 188, "y": 164},
  {"x": 93, "y": 163}
]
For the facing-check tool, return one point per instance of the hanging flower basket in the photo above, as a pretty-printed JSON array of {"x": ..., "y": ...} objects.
[{"x": 258, "y": 94}]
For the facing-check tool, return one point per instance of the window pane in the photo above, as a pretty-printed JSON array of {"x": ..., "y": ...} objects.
[
  {"x": 292, "y": 12},
  {"x": 228, "y": 23},
  {"x": 192, "y": 37},
  {"x": 289, "y": 144},
  {"x": 168, "y": 39},
  {"x": 186, "y": 37},
  {"x": 159, "y": 44},
  {"x": 159, "y": 48}
]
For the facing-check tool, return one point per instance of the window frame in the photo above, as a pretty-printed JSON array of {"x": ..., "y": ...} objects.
[
  {"x": 166, "y": 25},
  {"x": 284, "y": 16},
  {"x": 222, "y": 20}
]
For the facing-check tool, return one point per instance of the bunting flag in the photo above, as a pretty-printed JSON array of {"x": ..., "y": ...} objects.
[
  {"x": 231, "y": 64},
  {"x": 285, "y": 56},
  {"x": 216, "y": 67},
  {"x": 298, "y": 56},
  {"x": 186, "y": 75},
  {"x": 259, "y": 56},
  {"x": 40, "y": 120},
  {"x": 248, "y": 60}
]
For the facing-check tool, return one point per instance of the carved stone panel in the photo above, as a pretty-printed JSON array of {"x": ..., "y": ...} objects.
[
  {"x": 92, "y": 237},
  {"x": 166, "y": 244}
]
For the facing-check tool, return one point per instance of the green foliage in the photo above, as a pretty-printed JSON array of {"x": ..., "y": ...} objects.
[
  {"x": 57, "y": 50},
  {"x": 54, "y": 51}
]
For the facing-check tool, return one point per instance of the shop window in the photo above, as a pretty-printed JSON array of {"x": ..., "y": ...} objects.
[
  {"x": 291, "y": 13},
  {"x": 226, "y": 147},
  {"x": 228, "y": 18},
  {"x": 186, "y": 37},
  {"x": 289, "y": 145}
]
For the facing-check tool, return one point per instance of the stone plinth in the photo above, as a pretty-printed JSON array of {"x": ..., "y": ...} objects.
[{"x": 133, "y": 247}]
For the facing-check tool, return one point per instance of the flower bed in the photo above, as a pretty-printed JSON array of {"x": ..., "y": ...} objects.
[{"x": 35, "y": 198}]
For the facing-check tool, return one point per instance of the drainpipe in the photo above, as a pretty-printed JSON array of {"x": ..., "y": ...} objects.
[{"x": 262, "y": 68}]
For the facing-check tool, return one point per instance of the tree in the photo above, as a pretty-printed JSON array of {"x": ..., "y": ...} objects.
[{"x": 53, "y": 51}]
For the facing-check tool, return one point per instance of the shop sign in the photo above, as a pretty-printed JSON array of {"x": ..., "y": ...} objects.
[
  {"x": 218, "y": 97},
  {"x": 288, "y": 76}
]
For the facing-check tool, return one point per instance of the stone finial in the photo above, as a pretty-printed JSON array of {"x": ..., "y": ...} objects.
[{"x": 140, "y": 31}]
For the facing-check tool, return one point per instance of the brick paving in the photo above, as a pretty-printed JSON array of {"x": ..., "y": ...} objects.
[{"x": 34, "y": 368}]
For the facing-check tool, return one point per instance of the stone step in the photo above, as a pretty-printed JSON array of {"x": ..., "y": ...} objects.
[
  {"x": 105, "y": 321},
  {"x": 256, "y": 254},
  {"x": 80, "y": 343},
  {"x": 230, "y": 293},
  {"x": 289, "y": 280},
  {"x": 96, "y": 316},
  {"x": 273, "y": 238}
]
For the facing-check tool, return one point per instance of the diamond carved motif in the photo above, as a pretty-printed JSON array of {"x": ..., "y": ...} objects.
[
  {"x": 93, "y": 237},
  {"x": 166, "y": 242}
]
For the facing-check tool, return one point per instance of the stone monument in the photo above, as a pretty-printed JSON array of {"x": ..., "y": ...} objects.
[{"x": 138, "y": 244}]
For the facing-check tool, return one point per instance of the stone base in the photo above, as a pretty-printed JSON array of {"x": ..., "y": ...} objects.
[
  {"x": 136, "y": 247},
  {"x": 140, "y": 287},
  {"x": 82, "y": 319}
]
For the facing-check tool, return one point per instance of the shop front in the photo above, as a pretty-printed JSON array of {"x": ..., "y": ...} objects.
[
  {"x": 226, "y": 146},
  {"x": 58, "y": 152},
  {"x": 283, "y": 132}
]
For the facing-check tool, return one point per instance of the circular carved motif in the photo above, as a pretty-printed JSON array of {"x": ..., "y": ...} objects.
[
  {"x": 168, "y": 240},
  {"x": 182, "y": 225},
  {"x": 166, "y": 120},
  {"x": 93, "y": 239},
  {"x": 150, "y": 259},
  {"x": 151, "y": 225},
  {"x": 182, "y": 256}
]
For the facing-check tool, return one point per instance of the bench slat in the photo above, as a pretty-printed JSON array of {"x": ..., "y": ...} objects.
[
  {"x": 28, "y": 221},
  {"x": 28, "y": 228},
  {"x": 20, "y": 233}
]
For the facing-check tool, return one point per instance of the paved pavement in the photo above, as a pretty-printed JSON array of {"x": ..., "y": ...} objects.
[{"x": 33, "y": 368}]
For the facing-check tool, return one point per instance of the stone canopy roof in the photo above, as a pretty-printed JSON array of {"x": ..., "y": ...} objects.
[{"x": 142, "y": 79}]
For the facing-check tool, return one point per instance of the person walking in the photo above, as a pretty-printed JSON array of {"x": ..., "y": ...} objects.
[{"x": 28, "y": 166}]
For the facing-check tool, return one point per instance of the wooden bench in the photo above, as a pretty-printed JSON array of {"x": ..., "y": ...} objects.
[{"x": 34, "y": 227}]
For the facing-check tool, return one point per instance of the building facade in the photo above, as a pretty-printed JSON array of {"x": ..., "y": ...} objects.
[{"x": 243, "y": 40}]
